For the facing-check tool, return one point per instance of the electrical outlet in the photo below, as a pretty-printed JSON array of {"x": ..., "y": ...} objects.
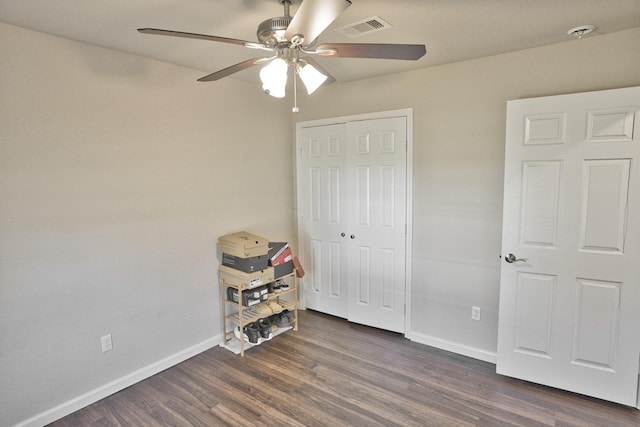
[
  {"x": 475, "y": 313},
  {"x": 106, "y": 342}
]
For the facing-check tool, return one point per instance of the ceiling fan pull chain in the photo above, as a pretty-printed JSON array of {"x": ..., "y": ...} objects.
[{"x": 295, "y": 108}]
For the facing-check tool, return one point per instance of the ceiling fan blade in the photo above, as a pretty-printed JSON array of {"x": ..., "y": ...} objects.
[
  {"x": 316, "y": 64},
  {"x": 172, "y": 33},
  {"x": 373, "y": 50},
  {"x": 312, "y": 18},
  {"x": 232, "y": 69}
]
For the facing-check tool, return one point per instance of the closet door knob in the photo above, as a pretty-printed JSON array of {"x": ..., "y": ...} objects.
[
  {"x": 342, "y": 234},
  {"x": 353, "y": 236}
]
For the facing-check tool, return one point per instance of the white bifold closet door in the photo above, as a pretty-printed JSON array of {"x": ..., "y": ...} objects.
[{"x": 352, "y": 198}]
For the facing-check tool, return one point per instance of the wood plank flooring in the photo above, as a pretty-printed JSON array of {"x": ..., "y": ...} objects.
[{"x": 334, "y": 373}]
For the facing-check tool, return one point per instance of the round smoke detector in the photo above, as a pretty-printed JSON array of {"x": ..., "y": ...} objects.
[{"x": 581, "y": 31}]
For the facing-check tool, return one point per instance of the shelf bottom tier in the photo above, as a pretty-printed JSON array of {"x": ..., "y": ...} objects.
[{"x": 233, "y": 344}]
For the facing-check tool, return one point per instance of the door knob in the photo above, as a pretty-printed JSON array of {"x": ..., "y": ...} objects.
[
  {"x": 511, "y": 258},
  {"x": 353, "y": 236},
  {"x": 342, "y": 234}
]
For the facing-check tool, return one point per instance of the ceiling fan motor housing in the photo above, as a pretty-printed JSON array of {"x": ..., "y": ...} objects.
[{"x": 271, "y": 32}]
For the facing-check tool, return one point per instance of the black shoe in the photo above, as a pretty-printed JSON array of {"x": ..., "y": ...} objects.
[
  {"x": 290, "y": 316},
  {"x": 265, "y": 328},
  {"x": 282, "y": 321},
  {"x": 252, "y": 331}
]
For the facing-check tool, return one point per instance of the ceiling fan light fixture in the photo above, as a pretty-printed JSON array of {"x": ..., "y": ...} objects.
[
  {"x": 288, "y": 38},
  {"x": 274, "y": 77},
  {"x": 311, "y": 77}
]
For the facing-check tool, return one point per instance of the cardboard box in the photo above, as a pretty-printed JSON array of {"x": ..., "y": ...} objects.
[
  {"x": 243, "y": 244},
  {"x": 240, "y": 279},
  {"x": 283, "y": 269},
  {"x": 298, "y": 266},
  {"x": 247, "y": 265},
  {"x": 279, "y": 253}
]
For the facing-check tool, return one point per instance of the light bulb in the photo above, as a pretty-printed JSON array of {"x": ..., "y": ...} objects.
[
  {"x": 311, "y": 77},
  {"x": 274, "y": 77}
]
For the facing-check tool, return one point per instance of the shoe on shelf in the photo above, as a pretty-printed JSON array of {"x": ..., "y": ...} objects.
[
  {"x": 274, "y": 306},
  {"x": 284, "y": 286},
  {"x": 281, "y": 321},
  {"x": 236, "y": 332},
  {"x": 289, "y": 315},
  {"x": 252, "y": 331},
  {"x": 263, "y": 310},
  {"x": 265, "y": 328},
  {"x": 273, "y": 318},
  {"x": 277, "y": 286}
]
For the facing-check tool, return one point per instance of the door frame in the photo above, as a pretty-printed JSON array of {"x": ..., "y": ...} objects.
[{"x": 407, "y": 113}]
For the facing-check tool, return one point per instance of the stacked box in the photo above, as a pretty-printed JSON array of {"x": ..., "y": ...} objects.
[
  {"x": 248, "y": 265},
  {"x": 280, "y": 257},
  {"x": 243, "y": 245},
  {"x": 250, "y": 297},
  {"x": 242, "y": 279}
]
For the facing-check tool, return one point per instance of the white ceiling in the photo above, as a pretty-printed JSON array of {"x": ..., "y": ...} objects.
[{"x": 452, "y": 30}]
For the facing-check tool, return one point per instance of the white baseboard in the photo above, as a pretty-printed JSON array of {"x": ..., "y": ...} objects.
[
  {"x": 453, "y": 347},
  {"x": 115, "y": 386}
]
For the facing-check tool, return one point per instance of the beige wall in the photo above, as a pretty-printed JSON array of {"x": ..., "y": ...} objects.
[
  {"x": 459, "y": 126},
  {"x": 117, "y": 175}
]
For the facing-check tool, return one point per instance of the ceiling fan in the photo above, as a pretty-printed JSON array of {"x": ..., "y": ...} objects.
[{"x": 292, "y": 42}]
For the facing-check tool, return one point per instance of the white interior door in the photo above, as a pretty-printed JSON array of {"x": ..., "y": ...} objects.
[
  {"x": 352, "y": 216},
  {"x": 570, "y": 310},
  {"x": 376, "y": 182},
  {"x": 323, "y": 216}
]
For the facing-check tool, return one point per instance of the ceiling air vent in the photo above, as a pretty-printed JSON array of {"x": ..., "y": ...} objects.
[{"x": 366, "y": 26}]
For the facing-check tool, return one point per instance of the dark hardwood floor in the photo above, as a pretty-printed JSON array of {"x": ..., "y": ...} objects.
[{"x": 334, "y": 373}]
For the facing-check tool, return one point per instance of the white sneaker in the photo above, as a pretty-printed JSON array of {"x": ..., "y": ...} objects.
[{"x": 236, "y": 332}]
